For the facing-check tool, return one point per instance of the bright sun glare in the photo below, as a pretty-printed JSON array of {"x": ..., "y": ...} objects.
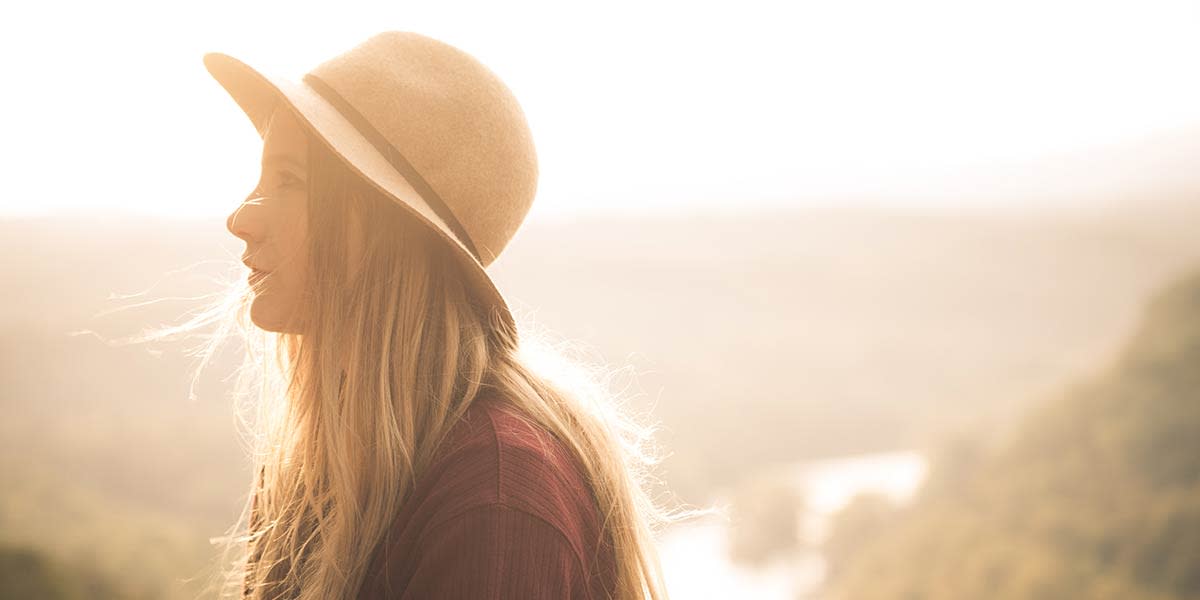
[{"x": 634, "y": 106}]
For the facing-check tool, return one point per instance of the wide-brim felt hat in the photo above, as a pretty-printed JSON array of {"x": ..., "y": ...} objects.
[{"x": 424, "y": 122}]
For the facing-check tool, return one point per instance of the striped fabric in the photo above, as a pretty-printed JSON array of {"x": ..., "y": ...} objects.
[{"x": 504, "y": 512}]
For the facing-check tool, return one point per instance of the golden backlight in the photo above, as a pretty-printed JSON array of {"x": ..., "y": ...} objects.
[
  {"x": 635, "y": 106},
  {"x": 910, "y": 289}
]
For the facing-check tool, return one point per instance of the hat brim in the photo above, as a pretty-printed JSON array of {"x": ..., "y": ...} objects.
[{"x": 257, "y": 94}]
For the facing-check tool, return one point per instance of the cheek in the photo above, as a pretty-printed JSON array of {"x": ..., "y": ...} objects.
[
  {"x": 297, "y": 221},
  {"x": 292, "y": 238}
]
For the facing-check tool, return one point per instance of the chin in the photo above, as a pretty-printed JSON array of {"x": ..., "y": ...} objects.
[{"x": 267, "y": 317}]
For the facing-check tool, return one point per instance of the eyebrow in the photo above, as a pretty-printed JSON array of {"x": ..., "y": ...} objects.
[{"x": 285, "y": 159}]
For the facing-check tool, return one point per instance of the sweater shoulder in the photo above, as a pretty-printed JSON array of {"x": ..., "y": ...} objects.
[
  {"x": 500, "y": 476},
  {"x": 497, "y": 456}
]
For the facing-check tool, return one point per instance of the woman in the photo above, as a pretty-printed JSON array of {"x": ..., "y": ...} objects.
[{"x": 411, "y": 451}]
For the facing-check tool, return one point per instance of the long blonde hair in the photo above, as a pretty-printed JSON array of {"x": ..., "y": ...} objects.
[{"x": 348, "y": 413}]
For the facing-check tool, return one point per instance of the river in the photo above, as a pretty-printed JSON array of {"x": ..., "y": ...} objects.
[{"x": 695, "y": 555}]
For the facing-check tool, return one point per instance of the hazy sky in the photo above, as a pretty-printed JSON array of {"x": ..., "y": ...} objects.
[{"x": 638, "y": 106}]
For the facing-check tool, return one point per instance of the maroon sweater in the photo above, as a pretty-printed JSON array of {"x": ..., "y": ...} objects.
[{"x": 495, "y": 516}]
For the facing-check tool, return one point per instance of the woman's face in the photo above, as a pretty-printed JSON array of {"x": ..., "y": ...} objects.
[{"x": 273, "y": 221}]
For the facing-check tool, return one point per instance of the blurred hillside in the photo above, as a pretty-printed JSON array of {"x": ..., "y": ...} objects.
[
  {"x": 1097, "y": 495},
  {"x": 838, "y": 332},
  {"x": 757, "y": 339}
]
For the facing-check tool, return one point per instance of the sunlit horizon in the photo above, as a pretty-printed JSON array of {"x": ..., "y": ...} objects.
[{"x": 635, "y": 109}]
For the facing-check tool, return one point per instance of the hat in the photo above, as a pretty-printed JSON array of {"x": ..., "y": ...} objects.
[{"x": 427, "y": 124}]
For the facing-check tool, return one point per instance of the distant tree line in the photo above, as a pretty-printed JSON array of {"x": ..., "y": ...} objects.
[
  {"x": 1097, "y": 495},
  {"x": 27, "y": 574}
]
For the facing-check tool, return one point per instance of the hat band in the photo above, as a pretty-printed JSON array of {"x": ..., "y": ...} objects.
[{"x": 395, "y": 158}]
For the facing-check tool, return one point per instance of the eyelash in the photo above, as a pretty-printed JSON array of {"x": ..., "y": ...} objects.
[{"x": 287, "y": 179}]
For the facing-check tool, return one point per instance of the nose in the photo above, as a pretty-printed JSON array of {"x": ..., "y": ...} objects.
[{"x": 244, "y": 222}]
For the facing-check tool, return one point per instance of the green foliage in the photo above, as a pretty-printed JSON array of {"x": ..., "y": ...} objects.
[
  {"x": 866, "y": 517},
  {"x": 95, "y": 545},
  {"x": 765, "y": 520},
  {"x": 27, "y": 574},
  {"x": 1097, "y": 496}
]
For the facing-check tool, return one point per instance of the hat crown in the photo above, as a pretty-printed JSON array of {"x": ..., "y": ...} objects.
[{"x": 453, "y": 120}]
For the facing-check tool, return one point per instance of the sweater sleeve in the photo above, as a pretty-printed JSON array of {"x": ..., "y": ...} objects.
[{"x": 496, "y": 552}]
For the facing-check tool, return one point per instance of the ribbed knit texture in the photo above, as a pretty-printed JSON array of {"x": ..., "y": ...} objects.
[{"x": 497, "y": 516}]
